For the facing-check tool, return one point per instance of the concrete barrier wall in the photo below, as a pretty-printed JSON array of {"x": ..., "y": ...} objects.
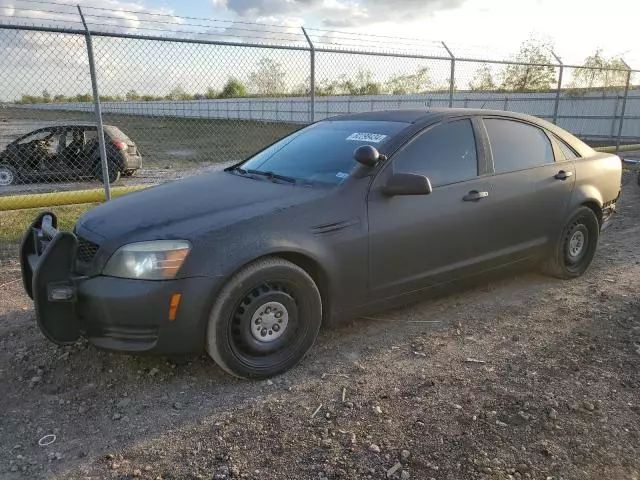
[{"x": 592, "y": 115}]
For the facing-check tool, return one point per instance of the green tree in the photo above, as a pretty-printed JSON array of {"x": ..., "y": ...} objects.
[
  {"x": 132, "y": 96},
  {"x": 233, "y": 88},
  {"x": 600, "y": 72},
  {"x": 522, "y": 76},
  {"x": 59, "y": 98},
  {"x": 179, "y": 93},
  {"x": 362, "y": 84},
  {"x": 269, "y": 78},
  {"x": 46, "y": 96},
  {"x": 482, "y": 80},
  {"x": 327, "y": 87},
  {"x": 411, "y": 83},
  {"x": 83, "y": 97},
  {"x": 210, "y": 93},
  {"x": 28, "y": 99}
]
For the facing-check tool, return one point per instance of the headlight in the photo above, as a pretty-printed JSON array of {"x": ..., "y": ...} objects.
[{"x": 156, "y": 260}]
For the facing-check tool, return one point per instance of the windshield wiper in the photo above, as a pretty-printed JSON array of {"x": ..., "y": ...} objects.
[{"x": 270, "y": 175}]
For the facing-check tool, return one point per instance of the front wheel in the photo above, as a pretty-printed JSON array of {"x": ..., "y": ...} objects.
[
  {"x": 8, "y": 176},
  {"x": 264, "y": 320},
  {"x": 576, "y": 246}
]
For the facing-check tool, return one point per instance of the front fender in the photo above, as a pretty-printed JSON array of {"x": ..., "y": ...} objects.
[{"x": 341, "y": 256}]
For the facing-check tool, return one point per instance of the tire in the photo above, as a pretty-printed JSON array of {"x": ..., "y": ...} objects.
[
  {"x": 264, "y": 320},
  {"x": 575, "y": 247},
  {"x": 638, "y": 178},
  {"x": 114, "y": 173},
  {"x": 8, "y": 175}
]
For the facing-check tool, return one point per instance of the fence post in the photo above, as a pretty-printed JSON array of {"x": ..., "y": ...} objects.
[
  {"x": 452, "y": 79},
  {"x": 312, "y": 55},
  {"x": 624, "y": 106},
  {"x": 557, "y": 102},
  {"x": 98, "y": 110}
]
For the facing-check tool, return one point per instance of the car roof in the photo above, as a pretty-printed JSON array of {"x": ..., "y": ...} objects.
[
  {"x": 76, "y": 124},
  {"x": 426, "y": 116}
]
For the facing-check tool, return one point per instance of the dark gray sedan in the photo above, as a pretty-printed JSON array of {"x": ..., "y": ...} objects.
[{"x": 346, "y": 216}]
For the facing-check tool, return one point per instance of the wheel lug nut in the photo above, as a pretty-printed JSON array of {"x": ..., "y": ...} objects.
[
  {"x": 258, "y": 321},
  {"x": 276, "y": 327},
  {"x": 268, "y": 310},
  {"x": 278, "y": 314},
  {"x": 263, "y": 332}
]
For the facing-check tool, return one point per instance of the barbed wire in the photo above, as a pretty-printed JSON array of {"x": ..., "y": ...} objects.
[{"x": 229, "y": 29}]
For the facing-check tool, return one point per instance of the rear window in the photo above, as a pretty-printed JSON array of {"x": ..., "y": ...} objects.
[
  {"x": 568, "y": 152},
  {"x": 116, "y": 134},
  {"x": 323, "y": 152},
  {"x": 517, "y": 145}
]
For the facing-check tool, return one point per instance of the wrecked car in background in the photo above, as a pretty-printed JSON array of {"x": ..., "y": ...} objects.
[{"x": 67, "y": 152}]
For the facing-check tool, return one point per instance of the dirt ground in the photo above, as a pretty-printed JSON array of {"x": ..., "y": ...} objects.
[{"x": 526, "y": 377}]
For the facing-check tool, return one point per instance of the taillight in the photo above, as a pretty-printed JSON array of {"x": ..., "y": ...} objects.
[{"x": 120, "y": 145}]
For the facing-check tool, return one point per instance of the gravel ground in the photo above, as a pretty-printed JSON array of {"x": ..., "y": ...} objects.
[{"x": 526, "y": 377}]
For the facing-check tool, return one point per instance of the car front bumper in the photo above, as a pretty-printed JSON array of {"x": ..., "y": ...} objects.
[{"x": 112, "y": 313}]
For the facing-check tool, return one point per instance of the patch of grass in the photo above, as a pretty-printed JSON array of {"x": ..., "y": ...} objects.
[{"x": 13, "y": 223}]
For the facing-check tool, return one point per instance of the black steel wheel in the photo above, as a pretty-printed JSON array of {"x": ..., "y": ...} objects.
[
  {"x": 265, "y": 319},
  {"x": 576, "y": 246}
]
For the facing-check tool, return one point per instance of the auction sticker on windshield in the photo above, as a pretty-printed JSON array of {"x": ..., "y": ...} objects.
[{"x": 367, "y": 137}]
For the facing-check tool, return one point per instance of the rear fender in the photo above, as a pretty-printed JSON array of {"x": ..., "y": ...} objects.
[{"x": 586, "y": 194}]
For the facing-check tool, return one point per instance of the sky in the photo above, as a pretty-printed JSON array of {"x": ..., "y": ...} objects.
[
  {"x": 576, "y": 27},
  {"x": 489, "y": 29}
]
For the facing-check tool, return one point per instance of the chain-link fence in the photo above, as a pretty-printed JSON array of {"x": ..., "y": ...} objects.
[{"x": 175, "y": 101}]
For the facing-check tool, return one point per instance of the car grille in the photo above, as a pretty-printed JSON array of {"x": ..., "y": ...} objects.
[{"x": 86, "y": 251}]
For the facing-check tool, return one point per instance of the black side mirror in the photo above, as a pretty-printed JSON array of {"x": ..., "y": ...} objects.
[
  {"x": 407, "y": 184},
  {"x": 367, "y": 155}
]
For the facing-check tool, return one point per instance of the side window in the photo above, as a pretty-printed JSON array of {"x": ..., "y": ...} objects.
[
  {"x": 445, "y": 154},
  {"x": 41, "y": 135},
  {"x": 567, "y": 151},
  {"x": 516, "y": 145}
]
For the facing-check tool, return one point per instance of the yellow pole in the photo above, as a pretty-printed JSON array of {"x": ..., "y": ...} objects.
[
  {"x": 622, "y": 148},
  {"x": 37, "y": 200}
]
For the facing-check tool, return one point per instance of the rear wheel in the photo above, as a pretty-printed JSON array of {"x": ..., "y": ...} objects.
[
  {"x": 264, "y": 320},
  {"x": 576, "y": 246},
  {"x": 8, "y": 176},
  {"x": 114, "y": 172}
]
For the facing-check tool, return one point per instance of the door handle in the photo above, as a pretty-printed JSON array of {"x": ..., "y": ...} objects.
[
  {"x": 562, "y": 175},
  {"x": 474, "y": 196}
]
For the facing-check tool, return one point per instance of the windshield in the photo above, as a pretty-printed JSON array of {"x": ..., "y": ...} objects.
[{"x": 322, "y": 152}]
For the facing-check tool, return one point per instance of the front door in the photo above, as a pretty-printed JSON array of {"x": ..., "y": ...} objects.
[{"x": 416, "y": 242}]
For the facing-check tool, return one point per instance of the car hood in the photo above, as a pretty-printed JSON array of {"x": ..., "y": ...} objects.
[{"x": 189, "y": 206}]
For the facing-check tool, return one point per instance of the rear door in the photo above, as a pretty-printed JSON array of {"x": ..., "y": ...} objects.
[
  {"x": 420, "y": 241},
  {"x": 530, "y": 187}
]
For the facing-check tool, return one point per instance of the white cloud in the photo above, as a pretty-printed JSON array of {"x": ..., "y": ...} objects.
[{"x": 343, "y": 13}]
